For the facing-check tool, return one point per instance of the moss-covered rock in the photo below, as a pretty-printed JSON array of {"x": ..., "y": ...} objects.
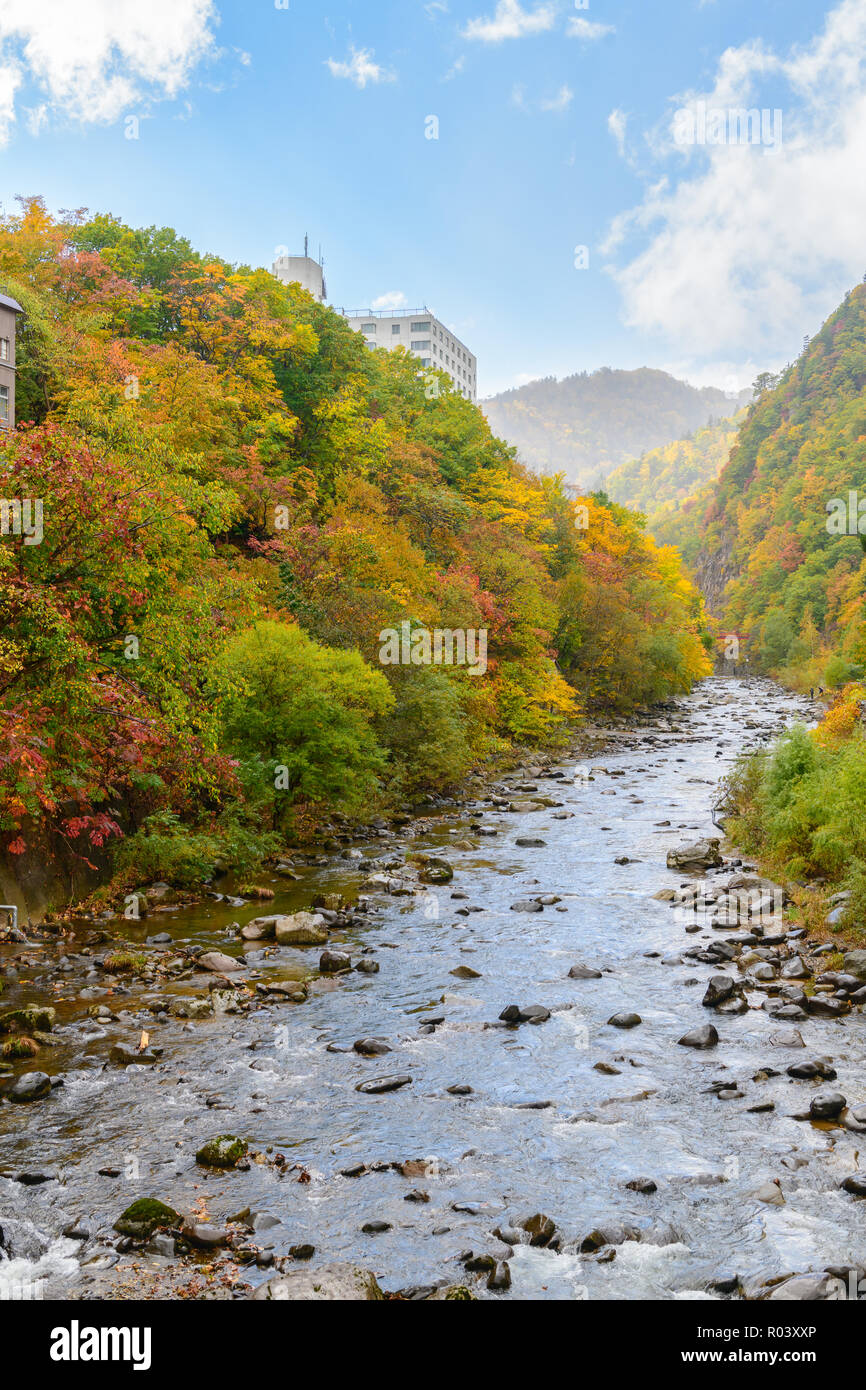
[
  {"x": 144, "y": 1216},
  {"x": 226, "y": 1151},
  {"x": 28, "y": 1020}
]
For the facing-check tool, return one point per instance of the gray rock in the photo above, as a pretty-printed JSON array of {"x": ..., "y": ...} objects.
[
  {"x": 719, "y": 988},
  {"x": 301, "y": 929},
  {"x": 703, "y": 1037},
  {"x": 828, "y": 1105},
  {"x": 704, "y": 854},
  {"x": 379, "y": 1085},
  {"x": 334, "y": 962},
  {"x": 329, "y": 1283},
  {"x": 624, "y": 1020},
  {"x": 217, "y": 963},
  {"x": 855, "y": 964},
  {"x": 32, "y": 1085}
]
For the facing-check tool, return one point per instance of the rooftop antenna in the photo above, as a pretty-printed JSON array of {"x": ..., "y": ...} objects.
[{"x": 306, "y": 245}]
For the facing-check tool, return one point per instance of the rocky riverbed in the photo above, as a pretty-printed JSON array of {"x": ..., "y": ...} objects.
[{"x": 551, "y": 1043}]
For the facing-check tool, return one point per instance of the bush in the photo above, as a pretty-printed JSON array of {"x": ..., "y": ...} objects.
[
  {"x": 167, "y": 850},
  {"x": 300, "y": 719},
  {"x": 427, "y": 730}
]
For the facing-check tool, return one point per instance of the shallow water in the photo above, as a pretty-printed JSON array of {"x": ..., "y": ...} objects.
[{"x": 268, "y": 1077}]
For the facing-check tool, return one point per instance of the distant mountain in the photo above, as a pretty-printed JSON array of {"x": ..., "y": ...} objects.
[
  {"x": 666, "y": 483},
  {"x": 586, "y": 425}
]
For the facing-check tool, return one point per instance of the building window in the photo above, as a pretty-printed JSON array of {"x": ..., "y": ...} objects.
[
  {"x": 368, "y": 328},
  {"x": 4, "y": 349},
  {"x": 395, "y": 328},
  {"x": 4, "y": 404},
  {"x": 421, "y": 327},
  {"x": 425, "y": 362},
  {"x": 421, "y": 345}
]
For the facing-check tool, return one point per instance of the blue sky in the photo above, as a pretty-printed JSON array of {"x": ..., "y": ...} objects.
[{"x": 259, "y": 123}]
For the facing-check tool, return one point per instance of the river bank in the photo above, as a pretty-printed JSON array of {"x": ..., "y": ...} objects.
[{"x": 528, "y": 1124}]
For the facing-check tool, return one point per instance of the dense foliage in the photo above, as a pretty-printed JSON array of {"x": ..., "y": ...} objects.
[
  {"x": 800, "y": 803},
  {"x": 775, "y": 571},
  {"x": 665, "y": 483},
  {"x": 587, "y": 425},
  {"x": 239, "y": 497}
]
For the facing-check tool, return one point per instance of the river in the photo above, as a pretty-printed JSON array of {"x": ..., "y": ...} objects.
[{"x": 559, "y": 1116}]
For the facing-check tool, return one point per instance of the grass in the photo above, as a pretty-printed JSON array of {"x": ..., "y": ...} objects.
[
  {"x": 16, "y": 1048},
  {"x": 125, "y": 962}
]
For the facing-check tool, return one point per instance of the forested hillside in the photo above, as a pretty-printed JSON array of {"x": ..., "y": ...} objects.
[
  {"x": 587, "y": 425},
  {"x": 782, "y": 555},
  {"x": 660, "y": 482},
  {"x": 238, "y": 498}
]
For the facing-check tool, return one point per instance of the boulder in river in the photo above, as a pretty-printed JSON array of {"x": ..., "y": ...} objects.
[
  {"x": 226, "y": 1151},
  {"x": 31, "y": 1019},
  {"x": 301, "y": 929},
  {"x": 530, "y": 1013},
  {"x": 144, "y": 1216},
  {"x": 584, "y": 972},
  {"x": 719, "y": 988},
  {"x": 703, "y": 1037},
  {"x": 218, "y": 963},
  {"x": 334, "y": 962},
  {"x": 624, "y": 1020},
  {"x": 380, "y": 1085},
  {"x": 328, "y": 1283},
  {"x": 436, "y": 871},
  {"x": 704, "y": 854},
  {"x": 827, "y": 1105},
  {"x": 32, "y": 1085}
]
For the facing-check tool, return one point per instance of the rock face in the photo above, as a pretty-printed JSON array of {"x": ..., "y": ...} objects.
[
  {"x": 301, "y": 929},
  {"x": 704, "y": 854},
  {"x": 330, "y": 1283}
]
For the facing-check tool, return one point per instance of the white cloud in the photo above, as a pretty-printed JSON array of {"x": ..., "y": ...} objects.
[
  {"x": 562, "y": 100},
  {"x": 511, "y": 21},
  {"x": 36, "y": 118},
  {"x": 588, "y": 30},
  {"x": 617, "y": 122},
  {"x": 742, "y": 248},
  {"x": 93, "y": 59},
  {"x": 360, "y": 68},
  {"x": 394, "y": 299}
]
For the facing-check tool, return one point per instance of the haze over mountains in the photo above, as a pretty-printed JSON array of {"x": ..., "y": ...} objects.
[{"x": 587, "y": 425}]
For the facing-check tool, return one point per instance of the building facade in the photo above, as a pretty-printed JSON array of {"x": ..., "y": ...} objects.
[
  {"x": 304, "y": 271},
  {"x": 9, "y": 311},
  {"x": 422, "y": 334}
]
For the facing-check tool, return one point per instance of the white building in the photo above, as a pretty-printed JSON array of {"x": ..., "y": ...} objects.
[
  {"x": 304, "y": 271},
  {"x": 424, "y": 336}
]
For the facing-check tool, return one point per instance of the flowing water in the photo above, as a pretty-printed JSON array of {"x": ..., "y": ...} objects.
[{"x": 269, "y": 1077}]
